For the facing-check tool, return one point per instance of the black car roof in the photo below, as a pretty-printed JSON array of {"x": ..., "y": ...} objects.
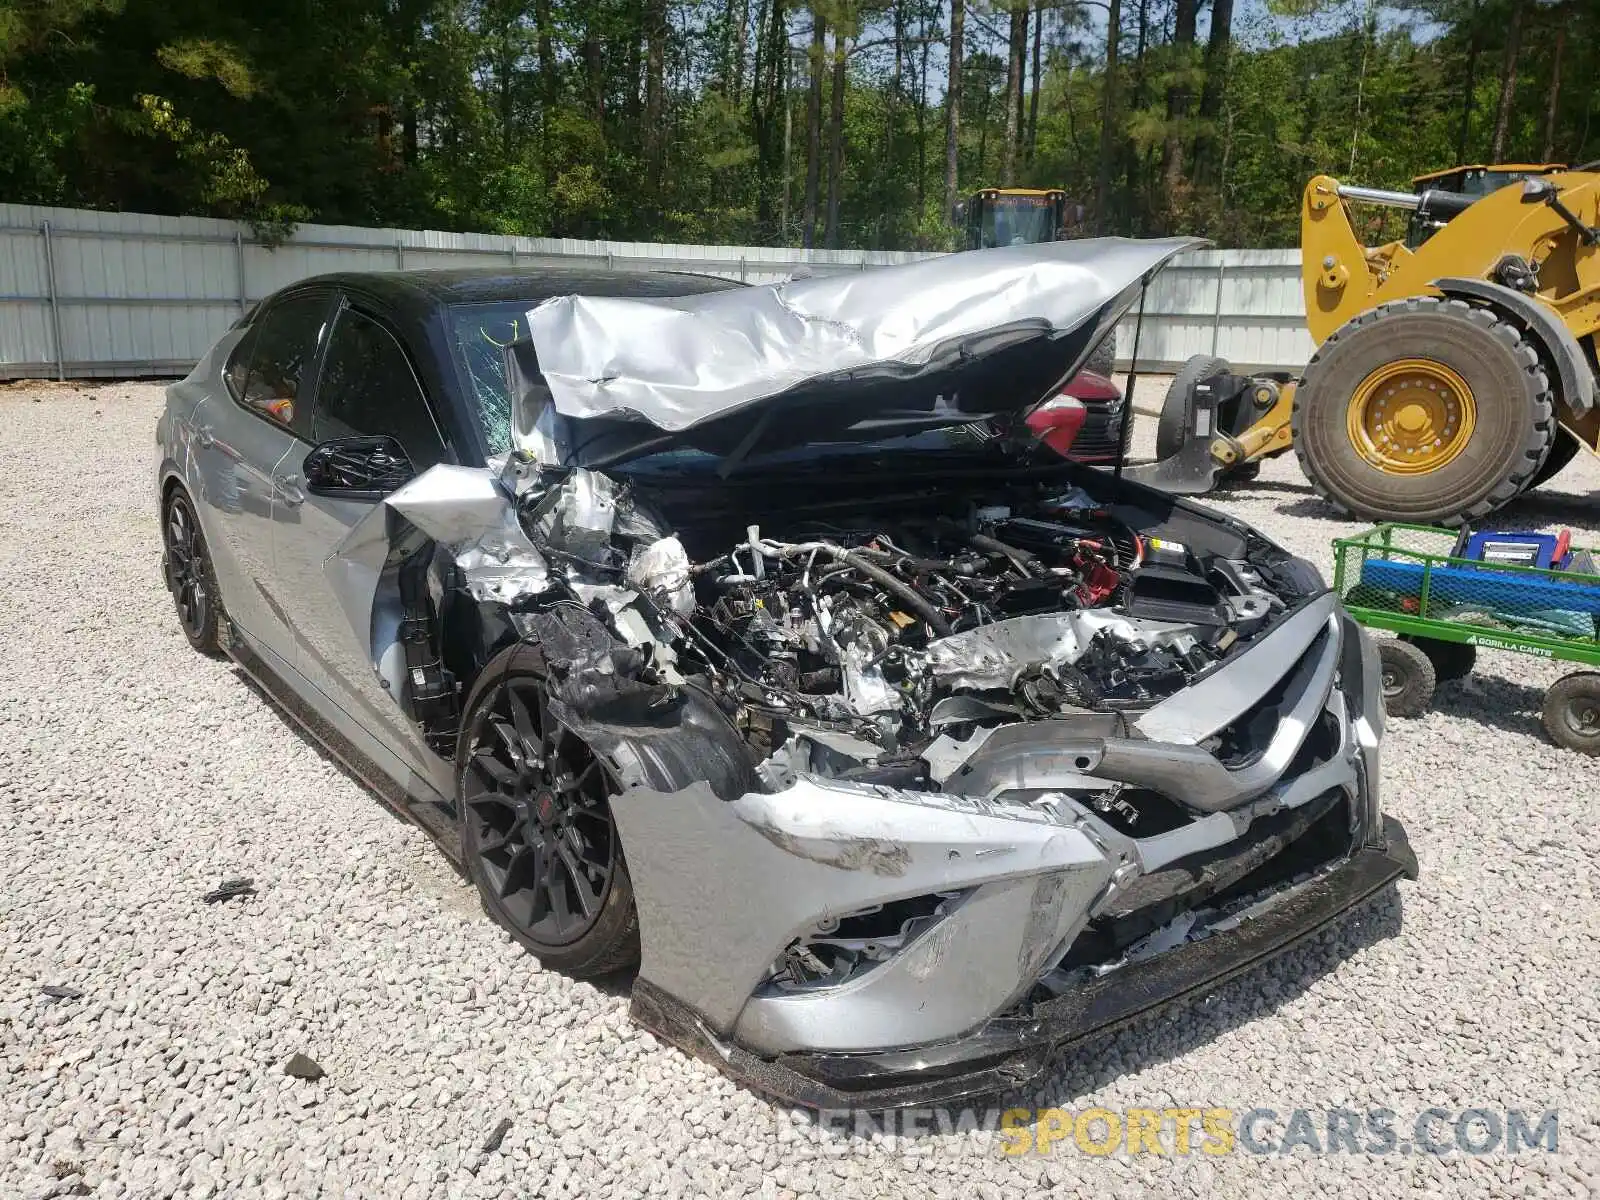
[
  {"x": 416, "y": 301},
  {"x": 423, "y": 290}
]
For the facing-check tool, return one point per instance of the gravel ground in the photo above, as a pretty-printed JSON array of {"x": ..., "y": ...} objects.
[{"x": 135, "y": 775}]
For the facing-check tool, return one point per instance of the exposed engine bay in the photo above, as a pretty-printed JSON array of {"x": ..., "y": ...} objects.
[{"x": 874, "y": 646}]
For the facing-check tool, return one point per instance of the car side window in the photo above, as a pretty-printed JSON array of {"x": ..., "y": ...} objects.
[
  {"x": 368, "y": 387},
  {"x": 281, "y": 346}
]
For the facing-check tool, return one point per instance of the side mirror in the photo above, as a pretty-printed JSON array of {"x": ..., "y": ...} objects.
[
  {"x": 357, "y": 468},
  {"x": 958, "y": 214}
]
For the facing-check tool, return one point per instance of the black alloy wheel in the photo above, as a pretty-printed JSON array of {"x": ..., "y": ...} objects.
[
  {"x": 189, "y": 576},
  {"x": 538, "y": 834}
]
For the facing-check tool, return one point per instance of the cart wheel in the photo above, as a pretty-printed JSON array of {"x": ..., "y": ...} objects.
[
  {"x": 1572, "y": 712},
  {"x": 1451, "y": 660},
  {"x": 1408, "y": 678}
]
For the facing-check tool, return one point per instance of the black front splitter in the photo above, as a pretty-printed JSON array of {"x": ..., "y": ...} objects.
[{"x": 1010, "y": 1051}]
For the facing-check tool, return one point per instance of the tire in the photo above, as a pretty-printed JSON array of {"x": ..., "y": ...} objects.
[
  {"x": 1490, "y": 462},
  {"x": 537, "y": 831},
  {"x": 1562, "y": 451},
  {"x": 1572, "y": 712},
  {"x": 1451, "y": 660},
  {"x": 1172, "y": 430},
  {"x": 186, "y": 567},
  {"x": 1102, "y": 359},
  {"x": 1408, "y": 678}
]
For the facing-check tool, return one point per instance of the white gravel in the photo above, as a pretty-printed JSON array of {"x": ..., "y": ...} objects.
[{"x": 136, "y": 775}]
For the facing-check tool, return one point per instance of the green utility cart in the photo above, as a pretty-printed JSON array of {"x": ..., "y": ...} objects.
[{"x": 1446, "y": 592}]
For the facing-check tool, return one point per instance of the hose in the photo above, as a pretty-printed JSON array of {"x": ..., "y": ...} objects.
[
  {"x": 914, "y": 600},
  {"x": 1020, "y": 559}
]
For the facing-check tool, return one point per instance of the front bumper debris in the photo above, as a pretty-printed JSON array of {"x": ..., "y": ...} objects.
[
  {"x": 1038, "y": 896},
  {"x": 1007, "y": 1052}
]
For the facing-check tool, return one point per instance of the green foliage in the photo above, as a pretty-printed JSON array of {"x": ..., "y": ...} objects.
[
  {"x": 646, "y": 120},
  {"x": 204, "y": 58}
]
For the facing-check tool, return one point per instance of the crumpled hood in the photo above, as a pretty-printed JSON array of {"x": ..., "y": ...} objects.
[{"x": 846, "y": 357}]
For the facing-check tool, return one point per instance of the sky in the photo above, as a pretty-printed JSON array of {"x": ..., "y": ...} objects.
[{"x": 1254, "y": 26}]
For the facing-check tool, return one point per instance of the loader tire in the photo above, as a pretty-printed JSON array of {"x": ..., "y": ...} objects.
[
  {"x": 1428, "y": 410},
  {"x": 1562, "y": 451},
  {"x": 1172, "y": 430}
]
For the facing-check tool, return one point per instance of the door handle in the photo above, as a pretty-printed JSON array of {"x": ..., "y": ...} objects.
[
  {"x": 204, "y": 436},
  {"x": 289, "y": 489}
]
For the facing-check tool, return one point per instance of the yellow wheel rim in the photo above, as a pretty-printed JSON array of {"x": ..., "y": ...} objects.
[{"x": 1411, "y": 416}]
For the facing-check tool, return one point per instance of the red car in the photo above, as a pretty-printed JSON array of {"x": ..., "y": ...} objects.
[{"x": 1084, "y": 422}]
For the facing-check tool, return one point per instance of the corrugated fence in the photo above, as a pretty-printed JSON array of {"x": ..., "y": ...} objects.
[{"x": 86, "y": 294}]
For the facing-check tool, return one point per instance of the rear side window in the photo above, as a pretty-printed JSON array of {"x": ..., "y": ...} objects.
[
  {"x": 271, "y": 367},
  {"x": 368, "y": 387}
]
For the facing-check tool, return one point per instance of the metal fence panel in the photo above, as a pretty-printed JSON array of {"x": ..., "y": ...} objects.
[{"x": 86, "y": 293}]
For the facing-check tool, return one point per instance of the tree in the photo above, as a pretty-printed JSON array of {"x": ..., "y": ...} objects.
[
  {"x": 1108, "y": 120},
  {"x": 1016, "y": 47},
  {"x": 836, "y": 135},
  {"x": 952, "y": 107},
  {"x": 765, "y": 121},
  {"x": 1553, "y": 96},
  {"x": 1508, "y": 83},
  {"x": 1219, "y": 45},
  {"x": 1032, "y": 135},
  {"x": 1184, "y": 15},
  {"x": 815, "y": 64}
]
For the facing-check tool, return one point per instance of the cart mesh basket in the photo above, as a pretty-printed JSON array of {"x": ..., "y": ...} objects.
[{"x": 1410, "y": 579}]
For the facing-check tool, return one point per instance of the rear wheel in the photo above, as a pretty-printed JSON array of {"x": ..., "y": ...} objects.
[
  {"x": 1408, "y": 678},
  {"x": 537, "y": 833},
  {"x": 1451, "y": 660},
  {"x": 1177, "y": 410},
  {"x": 1572, "y": 712},
  {"x": 1427, "y": 410},
  {"x": 186, "y": 565}
]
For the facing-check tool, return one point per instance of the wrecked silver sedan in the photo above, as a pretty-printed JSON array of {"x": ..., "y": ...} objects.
[{"x": 745, "y": 634}]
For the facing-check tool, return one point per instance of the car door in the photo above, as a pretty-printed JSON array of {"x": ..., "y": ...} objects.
[
  {"x": 366, "y": 385},
  {"x": 242, "y": 435}
]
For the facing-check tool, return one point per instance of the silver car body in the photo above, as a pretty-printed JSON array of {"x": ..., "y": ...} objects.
[{"x": 732, "y": 871}]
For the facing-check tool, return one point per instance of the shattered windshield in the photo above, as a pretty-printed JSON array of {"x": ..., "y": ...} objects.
[{"x": 482, "y": 332}]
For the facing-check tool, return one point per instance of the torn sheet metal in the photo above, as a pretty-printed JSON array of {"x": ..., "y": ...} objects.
[
  {"x": 675, "y": 362},
  {"x": 464, "y": 510},
  {"x": 993, "y": 656}
]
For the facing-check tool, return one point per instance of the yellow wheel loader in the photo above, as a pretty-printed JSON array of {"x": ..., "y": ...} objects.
[
  {"x": 1011, "y": 216},
  {"x": 1454, "y": 369}
]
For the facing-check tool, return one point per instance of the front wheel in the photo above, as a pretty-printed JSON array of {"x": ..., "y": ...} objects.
[
  {"x": 537, "y": 833},
  {"x": 1408, "y": 678},
  {"x": 1572, "y": 712},
  {"x": 1425, "y": 410}
]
